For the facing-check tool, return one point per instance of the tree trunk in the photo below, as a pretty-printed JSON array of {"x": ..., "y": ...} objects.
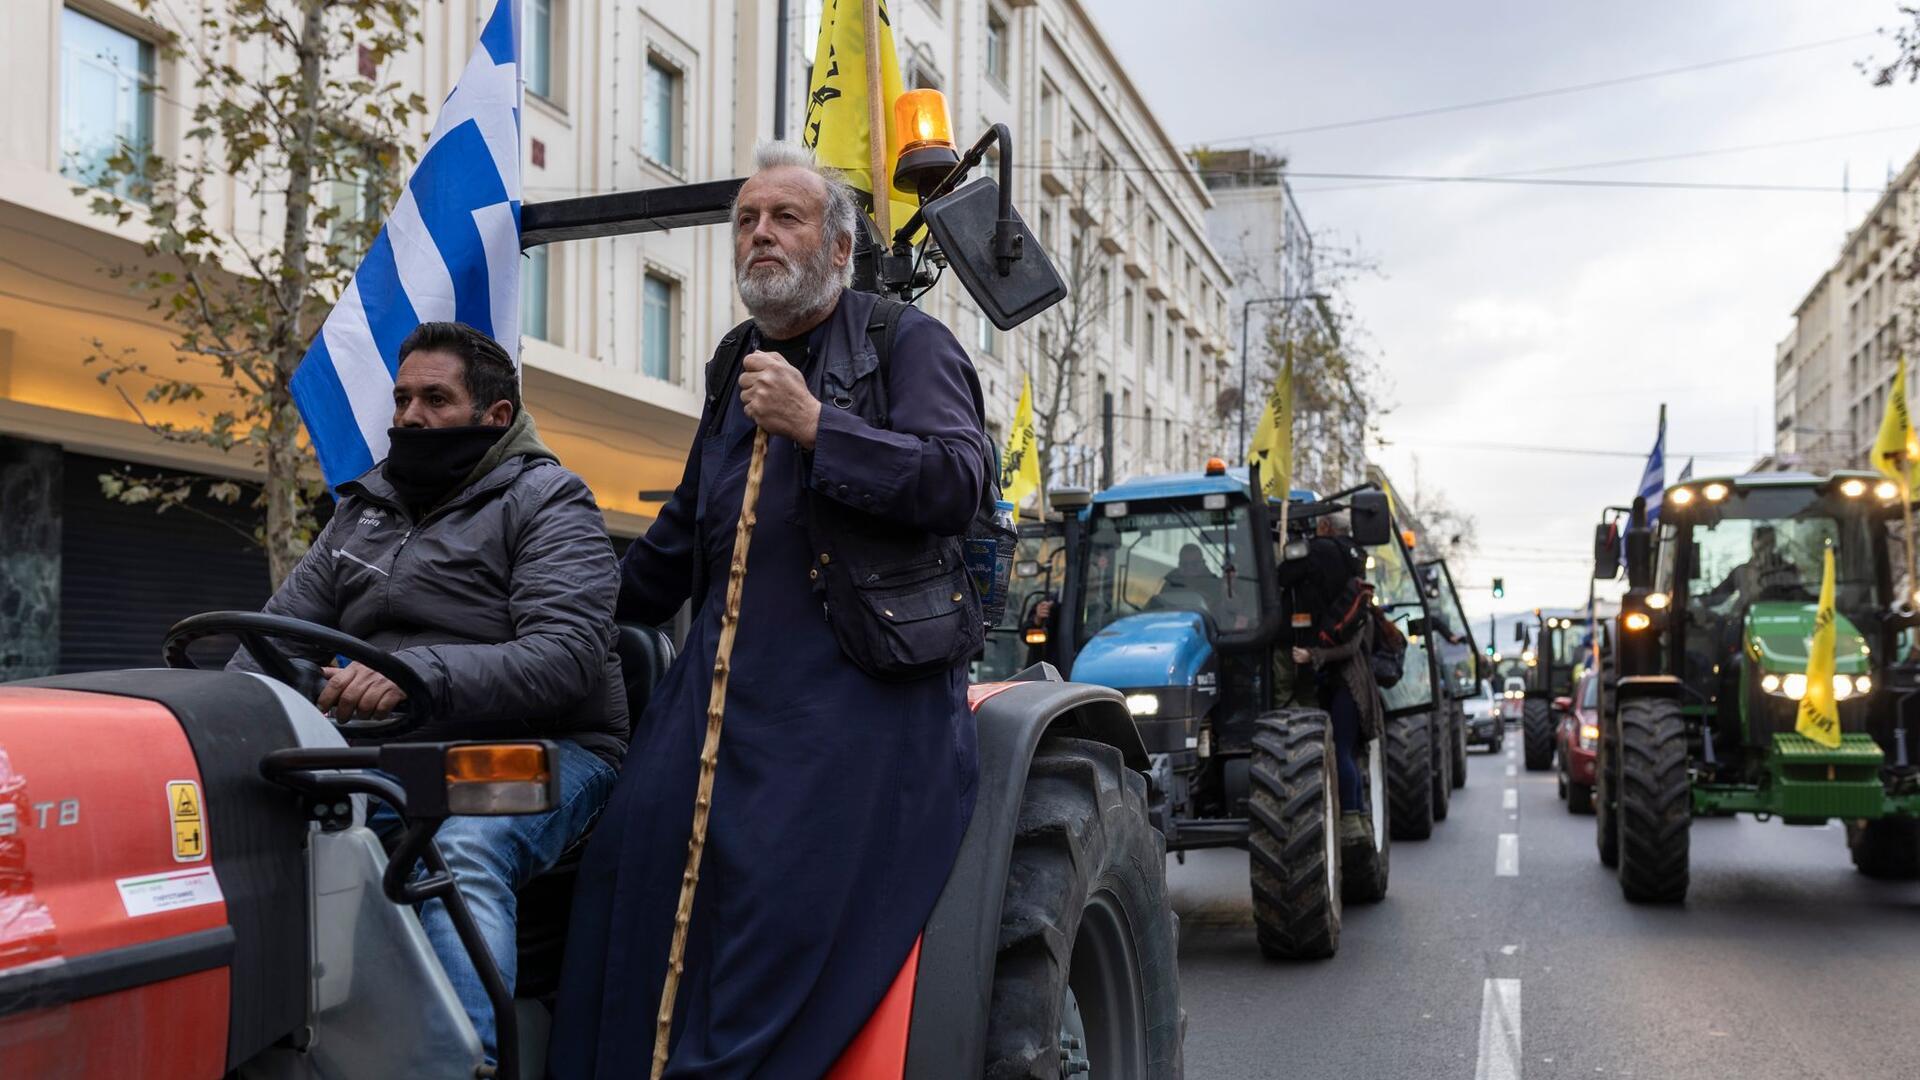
[{"x": 289, "y": 345}]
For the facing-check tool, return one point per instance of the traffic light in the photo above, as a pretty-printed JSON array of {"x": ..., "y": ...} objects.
[{"x": 1499, "y": 587}]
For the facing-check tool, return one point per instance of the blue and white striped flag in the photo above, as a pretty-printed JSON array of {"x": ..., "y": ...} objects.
[
  {"x": 1653, "y": 480},
  {"x": 449, "y": 251}
]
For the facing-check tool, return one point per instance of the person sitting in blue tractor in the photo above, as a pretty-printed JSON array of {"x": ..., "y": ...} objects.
[
  {"x": 1329, "y": 587},
  {"x": 1190, "y": 586}
]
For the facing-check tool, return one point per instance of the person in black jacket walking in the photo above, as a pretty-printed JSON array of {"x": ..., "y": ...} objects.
[{"x": 483, "y": 565}]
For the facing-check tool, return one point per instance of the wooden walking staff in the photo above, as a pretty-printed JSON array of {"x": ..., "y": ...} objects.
[
  {"x": 710, "y": 750},
  {"x": 877, "y": 125}
]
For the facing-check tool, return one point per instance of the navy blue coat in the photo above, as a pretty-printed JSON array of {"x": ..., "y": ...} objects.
[{"x": 839, "y": 800}]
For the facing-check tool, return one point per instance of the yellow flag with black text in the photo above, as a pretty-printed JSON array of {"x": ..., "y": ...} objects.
[
  {"x": 1819, "y": 717},
  {"x": 1896, "y": 452},
  {"x": 837, "y": 125},
  {"x": 1020, "y": 466},
  {"x": 1272, "y": 447}
]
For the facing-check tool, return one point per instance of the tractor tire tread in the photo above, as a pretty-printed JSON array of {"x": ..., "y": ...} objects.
[
  {"x": 1296, "y": 915},
  {"x": 1410, "y": 775},
  {"x": 1655, "y": 802}
]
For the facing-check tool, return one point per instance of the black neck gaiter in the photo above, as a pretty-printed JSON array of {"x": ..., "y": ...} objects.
[{"x": 424, "y": 464}]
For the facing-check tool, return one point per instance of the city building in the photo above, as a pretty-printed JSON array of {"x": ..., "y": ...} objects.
[
  {"x": 1118, "y": 208},
  {"x": 1256, "y": 225},
  {"x": 1833, "y": 370},
  {"x": 616, "y": 330}
]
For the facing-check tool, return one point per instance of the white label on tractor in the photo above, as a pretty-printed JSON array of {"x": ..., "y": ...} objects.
[{"x": 155, "y": 893}]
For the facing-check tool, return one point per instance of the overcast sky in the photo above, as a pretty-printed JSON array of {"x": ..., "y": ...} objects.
[{"x": 1552, "y": 316}]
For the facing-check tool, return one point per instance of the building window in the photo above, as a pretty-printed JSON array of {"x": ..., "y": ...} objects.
[
  {"x": 1169, "y": 354},
  {"x": 1151, "y": 339},
  {"x": 533, "y": 294},
  {"x": 1126, "y": 315},
  {"x": 1149, "y": 434},
  {"x": 660, "y": 114},
  {"x": 540, "y": 47},
  {"x": 106, "y": 95},
  {"x": 657, "y": 295},
  {"x": 985, "y": 338},
  {"x": 996, "y": 47}
]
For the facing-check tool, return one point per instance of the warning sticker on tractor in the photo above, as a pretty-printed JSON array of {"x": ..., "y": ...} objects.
[
  {"x": 189, "y": 826},
  {"x": 155, "y": 893}
]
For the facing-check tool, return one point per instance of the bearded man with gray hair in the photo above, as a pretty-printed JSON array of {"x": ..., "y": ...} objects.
[{"x": 846, "y": 774}]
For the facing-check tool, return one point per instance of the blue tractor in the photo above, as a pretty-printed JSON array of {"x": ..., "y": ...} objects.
[{"x": 1173, "y": 596}]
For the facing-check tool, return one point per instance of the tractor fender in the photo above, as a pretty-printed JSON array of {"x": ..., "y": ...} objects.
[
  {"x": 946, "y": 1036},
  {"x": 1647, "y": 686}
]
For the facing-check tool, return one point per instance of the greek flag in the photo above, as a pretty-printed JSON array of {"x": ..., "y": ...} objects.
[
  {"x": 450, "y": 250},
  {"x": 1653, "y": 480}
]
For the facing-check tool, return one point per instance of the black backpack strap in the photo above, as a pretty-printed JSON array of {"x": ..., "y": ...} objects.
[
  {"x": 883, "y": 323},
  {"x": 724, "y": 368}
]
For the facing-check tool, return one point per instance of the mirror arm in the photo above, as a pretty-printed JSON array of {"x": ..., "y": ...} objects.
[{"x": 1006, "y": 238}]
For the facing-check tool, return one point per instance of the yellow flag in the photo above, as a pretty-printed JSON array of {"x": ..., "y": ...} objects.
[
  {"x": 1819, "y": 717},
  {"x": 1272, "y": 447},
  {"x": 1020, "y": 466},
  {"x": 1896, "y": 452},
  {"x": 837, "y": 123}
]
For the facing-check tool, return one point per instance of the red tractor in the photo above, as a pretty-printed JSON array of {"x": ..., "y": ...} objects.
[{"x": 188, "y": 887}]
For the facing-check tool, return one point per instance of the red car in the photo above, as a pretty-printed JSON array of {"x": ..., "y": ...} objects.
[{"x": 1575, "y": 741}]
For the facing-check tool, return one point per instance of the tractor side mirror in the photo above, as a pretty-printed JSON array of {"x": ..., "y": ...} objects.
[
  {"x": 1520, "y": 632},
  {"x": 1009, "y": 290},
  {"x": 1294, "y": 551},
  {"x": 1069, "y": 498},
  {"x": 1563, "y": 704},
  {"x": 1372, "y": 521},
  {"x": 1027, "y": 568},
  {"x": 1416, "y": 627},
  {"x": 1606, "y": 552}
]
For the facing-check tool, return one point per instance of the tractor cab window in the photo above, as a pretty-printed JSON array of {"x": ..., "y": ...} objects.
[
  {"x": 1452, "y": 641},
  {"x": 1171, "y": 558},
  {"x": 1397, "y": 589},
  {"x": 1590, "y": 693}
]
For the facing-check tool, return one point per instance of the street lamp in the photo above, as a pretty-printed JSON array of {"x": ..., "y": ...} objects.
[{"x": 1246, "y": 324}]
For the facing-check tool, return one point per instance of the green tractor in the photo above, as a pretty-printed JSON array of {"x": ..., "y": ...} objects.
[{"x": 1702, "y": 686}]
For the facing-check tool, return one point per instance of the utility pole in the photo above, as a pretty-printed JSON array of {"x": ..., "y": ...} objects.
[{"x": 1106, "y": 440}]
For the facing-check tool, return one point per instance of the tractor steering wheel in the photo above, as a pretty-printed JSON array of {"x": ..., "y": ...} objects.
[{"x": 256, "y": 631}]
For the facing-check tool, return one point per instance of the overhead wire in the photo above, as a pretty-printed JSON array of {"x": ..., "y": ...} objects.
[{"x": 1535, "y": 95}]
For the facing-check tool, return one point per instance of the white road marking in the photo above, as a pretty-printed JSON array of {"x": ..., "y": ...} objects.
[
  {"x": 1511, "y": 771},
  {"x": 1506, "y": 858},
  {"x": 1510, "y": 799},
  {"x": 1499, "y": 1031},
  {"x": 1509, "y": 950}
]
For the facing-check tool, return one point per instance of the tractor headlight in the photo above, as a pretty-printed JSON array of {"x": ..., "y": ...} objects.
[
  {"x": 1794, "y": 686},
  {"x": 1842, "y": 688},
  {"x": 1770, "y": 683},
  {"x": 1143, "y": 704},
  {"x": 1636, "y": 620},
  {"x": 1862, "y": 684}
]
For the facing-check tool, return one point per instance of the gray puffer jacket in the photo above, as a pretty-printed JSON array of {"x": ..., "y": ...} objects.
[{"x": 500, "y": 597}]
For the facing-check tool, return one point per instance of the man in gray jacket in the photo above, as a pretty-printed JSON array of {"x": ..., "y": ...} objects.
[{"x": 483, "y": 566}]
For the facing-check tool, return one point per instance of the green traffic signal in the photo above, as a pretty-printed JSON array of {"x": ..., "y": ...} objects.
[{"x": 1499, "y": 587}]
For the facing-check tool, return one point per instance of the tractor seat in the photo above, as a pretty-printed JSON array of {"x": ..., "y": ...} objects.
[{"x": 645, "y": 654}]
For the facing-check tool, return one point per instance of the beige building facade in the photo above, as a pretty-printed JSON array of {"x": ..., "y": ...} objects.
[{"x": 1833, "y": 371}]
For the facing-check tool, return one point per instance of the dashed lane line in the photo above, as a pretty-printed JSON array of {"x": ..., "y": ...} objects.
[
  {"x": 1510, "y": 799},
  {"x": 1499, "y": 1031},
  {"x": 1506, "y": 857},
  {"x": 1511, "y": 771}
]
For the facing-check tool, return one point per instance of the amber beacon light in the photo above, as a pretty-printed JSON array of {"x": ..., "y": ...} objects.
[{"x": 927, "y": 152}]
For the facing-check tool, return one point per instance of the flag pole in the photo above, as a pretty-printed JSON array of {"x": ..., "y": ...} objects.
[{"x": 877, "y": 125}]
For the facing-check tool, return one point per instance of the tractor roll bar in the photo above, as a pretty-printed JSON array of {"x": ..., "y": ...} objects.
[{"x": 619, "y": 213}]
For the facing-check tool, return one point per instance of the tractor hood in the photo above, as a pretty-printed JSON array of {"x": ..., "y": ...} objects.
[
  {"x": 1780, "y": 632},
  {"x": 1148, "y": 651}
]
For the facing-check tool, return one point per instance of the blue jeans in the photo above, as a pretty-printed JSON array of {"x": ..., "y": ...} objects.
[
  {"x": 492, "y": 858},
  {"x": 1346, "y": 748}
]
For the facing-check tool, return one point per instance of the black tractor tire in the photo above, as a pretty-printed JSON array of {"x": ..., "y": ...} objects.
[
  {"x": 1293, "y": 836},
  {"x": 1536, "y": 732},
  {"x": 1364, "y": 869},
  {"x": 1887, "y": 849},
  {"x": 1086, "y": 913},
  {"x": 1606, "y": 806},
  {"x": 1442, "y": 764},
  {"x": 1579, "y": 798},
  {"x": 1656, "y": 802},
  {"x": 1410, "y": 768},
  {"x": 1459, "y": 746}
]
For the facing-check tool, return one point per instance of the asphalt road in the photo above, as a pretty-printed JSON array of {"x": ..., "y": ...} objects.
[{"x": 1784, "y": 962}]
